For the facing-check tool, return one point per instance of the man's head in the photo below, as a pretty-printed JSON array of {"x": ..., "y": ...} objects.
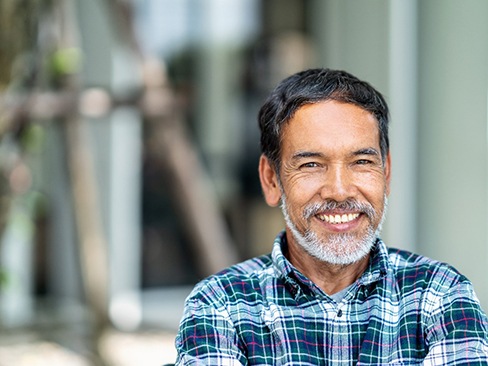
[
  {"x": 312, "y": 86},
  {"x": 326, "y": 161}
]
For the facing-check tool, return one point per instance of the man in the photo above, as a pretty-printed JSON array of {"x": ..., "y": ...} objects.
[{"x": 331, "y": 292}]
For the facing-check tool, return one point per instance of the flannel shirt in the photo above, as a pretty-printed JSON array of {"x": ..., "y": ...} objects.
[{"x": 405, "y": 309}]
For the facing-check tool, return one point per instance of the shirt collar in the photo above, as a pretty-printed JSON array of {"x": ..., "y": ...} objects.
[
  {"x": 379, "y": 264},
  {"x": 378, "y": 268}
]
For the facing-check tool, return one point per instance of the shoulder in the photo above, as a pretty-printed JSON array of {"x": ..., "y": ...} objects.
[
  {"x": 415, "y": 271},
  {"x": 446, "y": 300},
  {"x": 242, "y": 280}
]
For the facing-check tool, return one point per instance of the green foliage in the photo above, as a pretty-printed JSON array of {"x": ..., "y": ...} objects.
[
  {"x": 33, "y": 138},
  {"x": 3, "y": 277},
  {"x": 66, "y": 61},
  {"x": 20, "y": 29}
]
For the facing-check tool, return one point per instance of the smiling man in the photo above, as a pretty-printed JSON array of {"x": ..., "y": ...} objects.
[{"x": 331, "y": 292}]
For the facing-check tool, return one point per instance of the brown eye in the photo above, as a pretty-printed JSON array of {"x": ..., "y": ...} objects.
[
  {"x": 309, "y": 165},
  {"x": 363, "y": 162}
]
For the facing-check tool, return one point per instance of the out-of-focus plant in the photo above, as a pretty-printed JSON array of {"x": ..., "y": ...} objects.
[
  {"x": 21, "y": 34},
  {"x": 25, "y": 40}
]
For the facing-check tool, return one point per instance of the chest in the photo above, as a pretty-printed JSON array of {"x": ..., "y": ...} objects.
[{"x": 323, "y": 332}]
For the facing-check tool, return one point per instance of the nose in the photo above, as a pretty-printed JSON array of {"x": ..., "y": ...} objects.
[{"x": 338, "y": 183}]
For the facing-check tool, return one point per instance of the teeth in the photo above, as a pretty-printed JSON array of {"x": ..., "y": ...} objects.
[{"x": 338, "y": 219}]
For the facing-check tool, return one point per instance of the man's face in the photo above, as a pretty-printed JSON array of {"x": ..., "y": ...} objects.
[{"x": 333, "y": 182}]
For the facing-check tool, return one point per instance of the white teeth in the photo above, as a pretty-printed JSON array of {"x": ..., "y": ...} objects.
[{"x": 339, "y": 219}]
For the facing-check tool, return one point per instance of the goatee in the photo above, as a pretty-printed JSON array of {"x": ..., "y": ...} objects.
[{"x": 340, "y": 248}]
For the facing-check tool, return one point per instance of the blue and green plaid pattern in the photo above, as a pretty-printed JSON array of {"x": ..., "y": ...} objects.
[{"x": 405, "y": 309}]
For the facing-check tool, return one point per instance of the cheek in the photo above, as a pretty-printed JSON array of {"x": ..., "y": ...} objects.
[
  {"x": 301, "y": 191},
  {"x": 374, "y": 192},
  {"x": 372, "y": 181}
]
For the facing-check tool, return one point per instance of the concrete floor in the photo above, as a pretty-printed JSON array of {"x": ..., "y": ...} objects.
[
  {"x": 151, "y": 348},
  {"x": 61, "y": 335}
]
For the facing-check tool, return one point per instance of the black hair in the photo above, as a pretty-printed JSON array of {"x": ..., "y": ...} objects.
[{"x": 312, "y": 86}]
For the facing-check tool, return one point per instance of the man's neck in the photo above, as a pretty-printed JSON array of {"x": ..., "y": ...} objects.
[{"x": 331, "y": 278}]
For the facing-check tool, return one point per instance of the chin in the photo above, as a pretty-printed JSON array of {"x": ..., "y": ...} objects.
[{"x": 340, "y": 249}]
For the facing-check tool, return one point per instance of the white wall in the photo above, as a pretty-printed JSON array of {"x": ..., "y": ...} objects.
[{"x": 452, "y": 166}]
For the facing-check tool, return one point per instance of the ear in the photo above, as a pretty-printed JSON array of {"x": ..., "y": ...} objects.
[
  {"x": 269, "y": 182},
  {"x": 388, "y": 173}
]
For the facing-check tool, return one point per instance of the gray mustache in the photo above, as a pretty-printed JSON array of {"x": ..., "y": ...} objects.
[{"x": 347, "y": 205}]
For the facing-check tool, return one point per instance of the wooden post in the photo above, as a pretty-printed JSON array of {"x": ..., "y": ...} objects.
[{"x": 91, "y": 239}]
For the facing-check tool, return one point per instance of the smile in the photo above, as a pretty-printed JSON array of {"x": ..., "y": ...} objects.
[{"x": 338, "y": 219}]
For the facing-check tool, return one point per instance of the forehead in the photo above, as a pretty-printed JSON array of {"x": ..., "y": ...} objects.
[{"x": 331, "y": 124}]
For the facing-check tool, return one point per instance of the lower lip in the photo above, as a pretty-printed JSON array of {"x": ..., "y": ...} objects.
[{"x": 344, "y": 227}]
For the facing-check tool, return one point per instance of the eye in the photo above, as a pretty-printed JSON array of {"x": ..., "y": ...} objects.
[
  {"x": 309, "y": 165},
  {"x": 363, "y": 162}
]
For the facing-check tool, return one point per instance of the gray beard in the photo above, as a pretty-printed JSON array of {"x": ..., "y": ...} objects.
[{"x": 339, "y": 249}]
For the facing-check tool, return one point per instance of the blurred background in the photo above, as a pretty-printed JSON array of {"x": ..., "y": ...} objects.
[{"x": 129, "y": 149}]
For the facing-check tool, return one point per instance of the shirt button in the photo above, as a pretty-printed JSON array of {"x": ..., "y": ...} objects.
[{"x": 339, "y": 313}]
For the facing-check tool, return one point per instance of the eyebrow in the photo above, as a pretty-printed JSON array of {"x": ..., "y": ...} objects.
[
  {"x": 312, "y": 154},
  {"x": 306, "y": 154},
  {"x": 366, "y": 151}
]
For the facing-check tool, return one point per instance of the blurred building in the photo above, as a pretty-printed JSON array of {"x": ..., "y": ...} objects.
[{"x": 430, "y": 60}]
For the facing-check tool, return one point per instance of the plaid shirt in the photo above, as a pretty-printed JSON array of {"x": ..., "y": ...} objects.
[{"x": 405, "y": 309}]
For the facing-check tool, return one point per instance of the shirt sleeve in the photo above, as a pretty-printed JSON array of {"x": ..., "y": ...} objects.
[
  {"x": 207, "y": 336},
  {"x": 457, "y": 329}
]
